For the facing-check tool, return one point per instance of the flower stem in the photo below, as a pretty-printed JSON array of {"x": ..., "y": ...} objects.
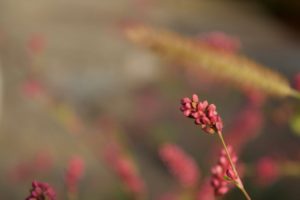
[
  {"x": 71, "y": 196},
  {"x": 239, "y": 182}
]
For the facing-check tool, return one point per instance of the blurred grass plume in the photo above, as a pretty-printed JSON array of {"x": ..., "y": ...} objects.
[{"x": 236, "y": 68}]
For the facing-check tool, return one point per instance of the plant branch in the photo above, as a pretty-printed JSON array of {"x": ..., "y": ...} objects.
[{"x": 239, "y": 182}]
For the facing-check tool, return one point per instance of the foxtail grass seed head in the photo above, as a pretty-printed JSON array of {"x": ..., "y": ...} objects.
[{"x": 235, "y": 68}]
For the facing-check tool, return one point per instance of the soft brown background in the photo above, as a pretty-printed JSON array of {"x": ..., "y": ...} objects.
[{"x": 91, "y": 66}]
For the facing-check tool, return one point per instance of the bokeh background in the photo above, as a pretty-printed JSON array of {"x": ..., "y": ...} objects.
[{"x": 89, "y": 68}]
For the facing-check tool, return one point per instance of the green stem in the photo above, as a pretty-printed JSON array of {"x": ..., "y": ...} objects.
[{"x": 238, "y": 183}]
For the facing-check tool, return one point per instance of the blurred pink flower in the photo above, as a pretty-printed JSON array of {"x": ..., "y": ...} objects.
[
  {"x": 267, "y": 171},
  {"x": 297, "y": 81},
  {"x": 74, "y": 173},
  {"x": 255, "y": 98},
  {"x": 181, "y": 165},
  {"x": 124, "y": 169},
  {"x": 36, "y": 44},
  {"x": 41, "y": 191},
  {"x": 43, "y": 161},
  {"x": 22, "y": 171},
  {"x": 220, "y": 41},
  {"x": 203, "y": 113},
  {"x": 32, "y": 88},
  {"x": 221, "y": 170},
  {"x": 244, "y": 127}
]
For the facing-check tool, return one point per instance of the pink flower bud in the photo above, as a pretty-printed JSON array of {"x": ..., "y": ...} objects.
[
  {"x": 195, "y": 98},
  {"x": 181, "y": 165}
]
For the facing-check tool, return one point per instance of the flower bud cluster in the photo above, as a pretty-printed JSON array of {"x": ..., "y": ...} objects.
[
  {"x": 203, "y": 113},
  {"x": 222, "y": 173},
  {"x": 41, "y": 191}
]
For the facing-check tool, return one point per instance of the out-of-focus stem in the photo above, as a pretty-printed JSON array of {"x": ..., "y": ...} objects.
[
  {"x": 72, "y": 196},
  {"x": 239, "y": 182}
]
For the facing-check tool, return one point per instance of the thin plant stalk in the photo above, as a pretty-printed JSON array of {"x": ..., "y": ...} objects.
[
  {"x": 72, "y": 196},
  {"x": 239, "y": 182}
]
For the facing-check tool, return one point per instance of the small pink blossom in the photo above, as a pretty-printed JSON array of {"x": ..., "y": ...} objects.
[
  {"x": 221, "y": 170},
  {"x": 74, "y": 173},
  {"x": 181, "y": 165},
  {"x": 41, "y": 191},
  {"x": 203, "y": 113},
  {"x": 267, "y": 170}
]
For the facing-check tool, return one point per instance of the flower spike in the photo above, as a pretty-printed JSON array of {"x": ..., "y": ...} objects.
[{"x": 203, "y": 113}]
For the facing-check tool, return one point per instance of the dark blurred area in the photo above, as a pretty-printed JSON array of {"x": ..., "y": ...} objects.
[{"x": 285, "y": 11}]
